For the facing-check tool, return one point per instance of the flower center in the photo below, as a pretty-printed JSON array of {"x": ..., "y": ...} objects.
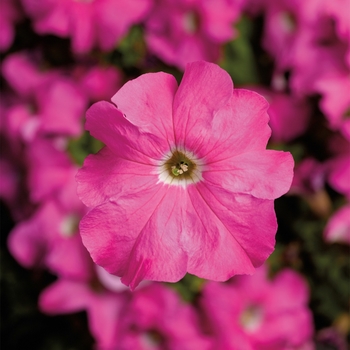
[
  {"x": 69, "y": 225},
  {"x": 180, "y": 168},
  {"x": 191, "y": 22},
  {"x": 251, "y": 318},
  {"x": 180, "y": 165}
]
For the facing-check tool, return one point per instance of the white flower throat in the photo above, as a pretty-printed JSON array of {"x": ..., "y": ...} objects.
[{"x": 180, "y": 168}]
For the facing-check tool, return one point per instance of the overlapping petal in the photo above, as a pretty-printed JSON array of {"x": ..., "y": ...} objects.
[
  {"x": 263, "y": 174},
  {"x": 106, "y": 123},
  {"x": 233, "y": 122},
  {"x": 147, "y": 103},
  {"x": 204, "y": 90}
]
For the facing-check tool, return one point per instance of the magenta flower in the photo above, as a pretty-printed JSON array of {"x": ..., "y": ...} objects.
[
  {"x": 88, "y": 23},
  {"x": 46, "y": 103},
  {"x": 105, "y": 309},
  {"x": 190, "y": 30},
  {"x": 158, "y": 319},
  {"x": 184, "y": 183},
  {"x": 98, "y": 82},
  {"x": 289, "y": 115},
  {"x": 309, "y": 177},
  {"x": 254, "y": 313}
]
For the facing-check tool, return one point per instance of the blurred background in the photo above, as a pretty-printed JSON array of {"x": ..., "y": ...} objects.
[{"x": 58, "y": 57}]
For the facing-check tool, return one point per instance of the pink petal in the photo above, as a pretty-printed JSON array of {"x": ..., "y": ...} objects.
[
  {"x": 105, "y": 174},
  {"x": 21, "y": 73},
  {"x": 114, "y": 19},
  {"x": 83, "y": 26},
  {"x": 204, "y": 90},
  {"x": 147, "y": 103},
  {"x": 69, "y": 258},
  {"x": 264, "y": 174},
  {"x": 105, "y": 314},
  {"x": 289, "y": 291},
  {"x": 224, "y": 225},
  {"x": 136, "y": 236},
  {"x": 64, "y": 296},
  {"x": 62, "y": 107},
  {"x": 226, "y": 128},
  {"x": 241, "y": 128},
  {"x": 106, "y": 123}
]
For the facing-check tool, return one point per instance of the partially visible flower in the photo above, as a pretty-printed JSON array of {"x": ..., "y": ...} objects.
[
  {"x": 183, "y": 31},
  {"x": 331, "y": 338},
  {"x": 45, "y": 103},
  {"x": 255, "y": 313},
  {"x": 89, "y": 23},
  {"x": 158, "y": 319},
  {"x": 309, "y": 182},
  {"x": 50, "y": 174},
  {"x": 289, "y": 115},
  {"x": 98, "y": 82},
  {"x": 105, "y": 309},
  {"x": 185, "y": 183},
  {"x": 338, "y": 226},
  {"x": 50, "y": 239},
  {"x": 309, "y": 177}
]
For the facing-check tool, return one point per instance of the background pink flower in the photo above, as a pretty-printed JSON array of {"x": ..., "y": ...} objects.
[
  {"x": 253, "y": 312},
  {"x": 190, "y": 30},
  {"x": 90, "y": 24}
]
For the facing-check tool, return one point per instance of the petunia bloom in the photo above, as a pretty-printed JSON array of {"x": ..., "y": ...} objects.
[
  {"x": 182, "y": 31},
  {"x": 270, "y": 314},
  {"x": 184, "y": 183},
  {"x": 89, "y": 23}
]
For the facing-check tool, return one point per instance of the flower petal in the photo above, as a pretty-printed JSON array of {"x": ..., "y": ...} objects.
[
  {"x": 105, "y": 174},
  {"x": 106, "y": 123},
  {"x": 136, "y": 235},
  {"x": 221, "y": 239},
  {"x": 147, "y": 103},
  {"x": 64, "y": 296},
  {"x": 205, "y": 89},
  {"x": 217, "y": 128},
  {"x": 264, "y": 174},
  {"x": 241, "y": 127}
]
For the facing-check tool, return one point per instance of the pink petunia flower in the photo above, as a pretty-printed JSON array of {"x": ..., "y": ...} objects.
[
  {"x": 158, "y": 319},
  {"x": 289, "y": 115},
  {"x": 105, "y": 308},
  {"x": 153, "y": 317},
  {"x": 309, "y": 177},
  {"x": 98, "y": 82},
  {"x": 184, "y": 183},
  {"x": 190, "y": 30},
  {"x": 88, "y": 23},
  {"x": 309, "y": 182},
  {"x": 255, "y": 313},
  {"x": 46, "y": 103}
]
